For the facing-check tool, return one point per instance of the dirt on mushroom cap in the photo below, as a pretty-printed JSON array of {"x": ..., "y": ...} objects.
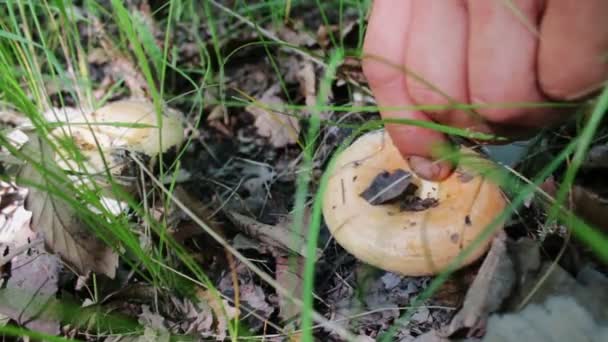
[{"x": 407, "y": 242}]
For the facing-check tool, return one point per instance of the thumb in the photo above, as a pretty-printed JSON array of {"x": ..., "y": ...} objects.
[{"x": 418, "y": 145}]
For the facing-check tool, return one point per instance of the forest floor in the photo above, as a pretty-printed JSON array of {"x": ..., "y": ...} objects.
[{"x": 210, "y": 239}]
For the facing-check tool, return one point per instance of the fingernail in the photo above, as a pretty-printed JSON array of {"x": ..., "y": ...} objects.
[{"x": 428, "y": 169}]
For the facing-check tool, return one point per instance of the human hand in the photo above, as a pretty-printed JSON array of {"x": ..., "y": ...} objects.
[{"x": 481, "y": 52}]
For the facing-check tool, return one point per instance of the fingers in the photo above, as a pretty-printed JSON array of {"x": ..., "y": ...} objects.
[
  {"x": 437, "y": 53},
  {"x": 384, "y": 55},
  {"x": 502, "y": 60},
  {"x": 574, "y": 48}
]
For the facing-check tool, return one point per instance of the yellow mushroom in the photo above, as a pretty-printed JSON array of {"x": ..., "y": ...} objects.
[{"x": 409, "y": 242}]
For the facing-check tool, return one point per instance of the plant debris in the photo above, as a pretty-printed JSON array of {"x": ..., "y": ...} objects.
[
  {"x": 396, "y": 187},
  {"x": 172, "y": 258},
  {"x": 387, "y": 186},
  {"x": 281, "y": 128},
  {"x": 54, "y": 219},
  {"x": 411, "y": 202},
  {"x": 29, "y": 290}
]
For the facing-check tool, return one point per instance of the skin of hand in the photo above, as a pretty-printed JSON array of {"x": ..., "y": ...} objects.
[{"x": 480, "y": 52}]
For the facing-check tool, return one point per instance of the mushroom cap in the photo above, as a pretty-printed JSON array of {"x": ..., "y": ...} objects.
[
  {"x": 141, "y": 139},
  {"x": 110, "y": 129},
  {"x": 412, "y": 243}
]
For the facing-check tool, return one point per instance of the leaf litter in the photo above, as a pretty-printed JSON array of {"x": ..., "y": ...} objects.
[
  {"x": 282, "y": 129},
  {"x": 241, "y": 170}
]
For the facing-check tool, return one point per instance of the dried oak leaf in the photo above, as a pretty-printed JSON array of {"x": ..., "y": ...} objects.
[
  {"x": 281, "y": 129},
  {"x": 63, "y": 230},
  {"x": 29, "y": 292}
]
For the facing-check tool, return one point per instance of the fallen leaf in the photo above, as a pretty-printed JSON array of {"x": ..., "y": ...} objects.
[
  {"x": 281, "y": 129},
  {"x": 492, "y": 285},
  {"x": 17, "y": 138},
  {"x": 154, "y": 326},
  {"x": 374, "y": 302},
  {"x": 223, "y": 312},
  {"x": 14, "y": 218},
  {"x": 30, "y": 289},
  {"x": 308, "y": 88},
  {"x": 253, "y": 295},
  {"x": 289, "y": 273},
  {"x": 64, "y": 232},
  {"x": 297, "y": 35},
  {"x": 151, "y": 335},
  {"x": 200, "y": 317},
  {"x": 120, "y": 66},
  {"x": 390, "y": 280},
  {"x": 151, "y": 319},
  {"x": 11, "y": 118}
]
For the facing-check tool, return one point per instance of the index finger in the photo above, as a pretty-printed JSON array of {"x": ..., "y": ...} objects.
[{"x": 383, "y": 65}]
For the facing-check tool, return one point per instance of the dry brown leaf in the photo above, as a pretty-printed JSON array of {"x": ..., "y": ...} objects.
[
  {"x": 281, "y": 129},
  {"x": 291, "y": 279},
  {"x": 492, "y": 285},
  {"x": 63, "y": 231},
  {"x": 253, "y": 295},
  {"x": 296, "y": 36},
  {"x": 14, "y": 219},
  {"x": 120, "y": 66},
  {"x": 154, "y": 326},
  {"x": 123, "y": 68},
  {"x": 308, "y": 85},
  {"x": 223, "y": 312},
  {"x": 29, "y": 290}
]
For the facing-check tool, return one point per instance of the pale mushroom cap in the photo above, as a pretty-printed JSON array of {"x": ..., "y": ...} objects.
[
  {"x": 145, "y": 139},
  {"x": 411, "y": 243},
  {"x": 110, "y": 130}
]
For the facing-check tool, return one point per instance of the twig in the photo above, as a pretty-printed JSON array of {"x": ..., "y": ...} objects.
[{"x": 343, "y": 333}]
